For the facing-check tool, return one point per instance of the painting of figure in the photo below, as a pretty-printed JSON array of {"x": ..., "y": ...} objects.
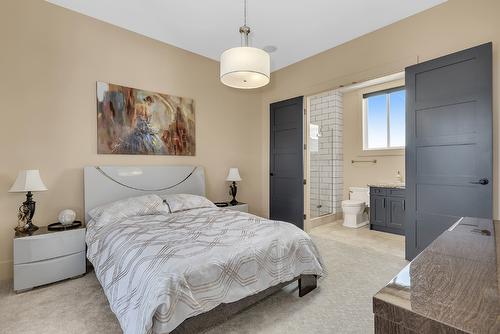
[{"x": 135, "y": 121}]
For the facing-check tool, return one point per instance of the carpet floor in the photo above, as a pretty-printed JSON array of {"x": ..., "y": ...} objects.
[{"x": 341, "y": 304}]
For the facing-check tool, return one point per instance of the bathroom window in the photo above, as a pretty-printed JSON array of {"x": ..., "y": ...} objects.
[{"x": 384, "y": 119}]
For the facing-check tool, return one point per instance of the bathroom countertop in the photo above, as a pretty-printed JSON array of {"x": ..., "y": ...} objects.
[
  {"x": 451, "y": 287},
  {"x": 387, "y": 185}
]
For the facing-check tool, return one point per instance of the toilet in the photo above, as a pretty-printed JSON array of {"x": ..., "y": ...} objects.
[{"x": 354, "y": 207}]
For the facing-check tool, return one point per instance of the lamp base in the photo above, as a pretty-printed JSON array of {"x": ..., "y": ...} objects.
[
  {"x": 233, "y": 189},
  {"x": 27, "y": 229},
  {"x": 30, "y": 227},
  {"x": 25, "y": 215}
]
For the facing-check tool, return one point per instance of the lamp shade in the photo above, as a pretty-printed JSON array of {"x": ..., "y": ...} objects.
[
  {"x": 245, "y": 67},
  {"x": 28, "y": 180},
  {"x": 233, "y": 175}
]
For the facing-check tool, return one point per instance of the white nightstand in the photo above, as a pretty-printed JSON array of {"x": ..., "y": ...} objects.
[
  {"x": 243, "y": 207},
  {"x": 48, "y": 256}
]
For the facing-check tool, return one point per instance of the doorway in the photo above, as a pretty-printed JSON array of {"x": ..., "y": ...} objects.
[{"x": 324, "y": 126}]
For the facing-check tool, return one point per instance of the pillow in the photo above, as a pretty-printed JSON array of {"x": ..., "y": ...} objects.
[
  {"x": 182, "y": 202},
  {"x": 128, "y": 207}
]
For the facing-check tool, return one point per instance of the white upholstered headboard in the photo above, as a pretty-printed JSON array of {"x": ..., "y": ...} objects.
[{"x": 105, "y": 184}]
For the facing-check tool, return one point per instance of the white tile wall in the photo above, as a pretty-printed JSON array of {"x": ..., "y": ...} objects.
[{"x": 326, "y": 164}]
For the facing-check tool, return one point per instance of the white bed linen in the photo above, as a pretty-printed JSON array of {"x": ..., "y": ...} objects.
[{"x": 158, "y": 270}]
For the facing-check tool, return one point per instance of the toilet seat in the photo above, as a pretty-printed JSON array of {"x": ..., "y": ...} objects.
[{"x": 351, "y": 202}]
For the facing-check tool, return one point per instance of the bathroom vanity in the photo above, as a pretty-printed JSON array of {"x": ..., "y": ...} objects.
[{"x": 387, "y": 208}]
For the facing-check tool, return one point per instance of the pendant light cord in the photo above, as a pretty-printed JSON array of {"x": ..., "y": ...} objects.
[
  {"x": 245, "y": 12},
  {"x": 244, "y": 30}
]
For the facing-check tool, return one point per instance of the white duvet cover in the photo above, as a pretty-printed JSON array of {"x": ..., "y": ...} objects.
[{"x": 158, "y": 270}]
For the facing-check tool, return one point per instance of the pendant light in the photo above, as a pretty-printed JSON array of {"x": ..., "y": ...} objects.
[{"x": 245, "y": 67}]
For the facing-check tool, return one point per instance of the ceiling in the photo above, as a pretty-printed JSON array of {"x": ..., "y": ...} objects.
[{"x": 297, "y": 28}]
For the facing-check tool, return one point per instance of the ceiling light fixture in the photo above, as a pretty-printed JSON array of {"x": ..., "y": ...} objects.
[{"x": 245, "y": 67}]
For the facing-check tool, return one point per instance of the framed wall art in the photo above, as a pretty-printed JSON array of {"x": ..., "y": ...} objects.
[{"x": 136, "y": 121}]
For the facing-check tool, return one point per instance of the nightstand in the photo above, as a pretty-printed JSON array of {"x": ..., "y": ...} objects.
[
  {"x": 243, "y": 207},
  {"x": 48, "y": 256}
]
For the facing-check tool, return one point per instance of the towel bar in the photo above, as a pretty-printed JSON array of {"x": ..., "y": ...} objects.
[{"x": 374, "y": 161}]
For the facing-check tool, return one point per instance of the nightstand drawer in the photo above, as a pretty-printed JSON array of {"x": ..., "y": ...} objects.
[
  {"x": 29, "y": 275},
  {"x": 48, "y": 246}
]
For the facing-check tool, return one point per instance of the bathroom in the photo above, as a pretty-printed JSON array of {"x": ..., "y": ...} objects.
[{"x": 355, "y": 142}]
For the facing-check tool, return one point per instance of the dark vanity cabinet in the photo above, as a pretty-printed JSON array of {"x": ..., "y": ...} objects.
[{"x": 387, "y": 209}]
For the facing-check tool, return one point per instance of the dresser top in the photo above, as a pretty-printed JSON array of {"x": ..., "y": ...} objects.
[
  {"x": 45, "y": 230},
  {"x": 453, "y": 283}
]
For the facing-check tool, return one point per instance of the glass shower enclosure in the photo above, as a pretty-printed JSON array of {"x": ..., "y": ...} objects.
[{"x": 325, "y": 154}]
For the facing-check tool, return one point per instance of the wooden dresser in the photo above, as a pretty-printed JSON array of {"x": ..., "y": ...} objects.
[{"x": 451, "y": 287}]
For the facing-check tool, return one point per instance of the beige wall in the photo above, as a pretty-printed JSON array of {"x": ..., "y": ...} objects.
[
  {"x": 450, "y": 27},
  {"x": 388, "y": 161},
  {"x": 50, "y": 60}
]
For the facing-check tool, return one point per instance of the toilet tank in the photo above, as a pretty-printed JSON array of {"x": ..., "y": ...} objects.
[{"x": 360, "y": 194}]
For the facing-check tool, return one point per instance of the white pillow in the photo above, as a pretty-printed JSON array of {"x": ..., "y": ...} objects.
[
  {"x": 182, "y": 202},
  {"x": 128, "y": 207}
]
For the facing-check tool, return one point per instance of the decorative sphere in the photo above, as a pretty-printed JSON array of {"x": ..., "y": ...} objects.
[{"x": 67, "y": 216}]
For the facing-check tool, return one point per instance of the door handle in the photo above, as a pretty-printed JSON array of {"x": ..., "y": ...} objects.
[
  {"x": 271, "y": 174},
  {"x": 483, "y": 181}
]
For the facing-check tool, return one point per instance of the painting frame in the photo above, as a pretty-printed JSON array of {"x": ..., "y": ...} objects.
[{"x": 133, "y": 121}]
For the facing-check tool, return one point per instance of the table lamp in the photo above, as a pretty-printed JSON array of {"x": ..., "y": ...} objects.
[
  {"x": 28, "y": 181},
  {"x": 233, "y": 176}
]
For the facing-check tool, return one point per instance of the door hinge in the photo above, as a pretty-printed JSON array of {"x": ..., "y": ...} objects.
[
  {"x": 305, "y": 111},
  {"x": 305, "y": 181},
  {"x": 305, "y": 146},
  {"x": 305, "y": 217}
]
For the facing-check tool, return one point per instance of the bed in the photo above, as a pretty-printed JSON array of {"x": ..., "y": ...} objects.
[{"x": 168, "y": 260}]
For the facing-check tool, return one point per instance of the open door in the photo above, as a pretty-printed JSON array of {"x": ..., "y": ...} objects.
[
  {"x": 286, "y": 177},
  {"x": 448, "y": 144}
]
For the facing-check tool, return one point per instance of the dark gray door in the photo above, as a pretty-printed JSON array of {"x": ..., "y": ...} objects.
[
  {"x": 286, "y": 162},
  {"x": 448, "y": 144}
]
